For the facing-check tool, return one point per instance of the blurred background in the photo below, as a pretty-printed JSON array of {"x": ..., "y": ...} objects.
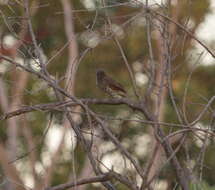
[{"x": 37, "y": 150}]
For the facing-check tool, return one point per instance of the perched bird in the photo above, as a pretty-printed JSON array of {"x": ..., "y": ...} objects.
[{"x": 108, "y": 85}]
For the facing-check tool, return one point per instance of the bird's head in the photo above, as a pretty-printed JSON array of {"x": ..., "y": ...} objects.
[{"x": 100, "y": 73}]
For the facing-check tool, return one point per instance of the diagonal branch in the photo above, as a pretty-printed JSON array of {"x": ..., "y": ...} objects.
[{"x": 101, "y": 178}]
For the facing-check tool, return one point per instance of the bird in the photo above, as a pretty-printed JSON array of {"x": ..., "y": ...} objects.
[{"x": 109, "y": 85}]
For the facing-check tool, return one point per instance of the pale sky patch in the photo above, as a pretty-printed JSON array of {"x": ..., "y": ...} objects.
[
  {"x": 141, "y": 78},
  {"x": 205, "y": 33},
  {"x": 54, "y": 137},
  {"x": 9, "y": 41}
]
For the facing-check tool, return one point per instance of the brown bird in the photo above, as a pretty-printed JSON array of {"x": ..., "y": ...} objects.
[{"x": 108, "y": 85}]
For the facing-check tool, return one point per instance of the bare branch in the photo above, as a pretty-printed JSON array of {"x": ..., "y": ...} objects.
[{"x": 101, "y": 178}]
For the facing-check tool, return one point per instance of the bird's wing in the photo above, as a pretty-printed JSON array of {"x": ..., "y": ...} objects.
[{"x": 115, "y": 85}]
